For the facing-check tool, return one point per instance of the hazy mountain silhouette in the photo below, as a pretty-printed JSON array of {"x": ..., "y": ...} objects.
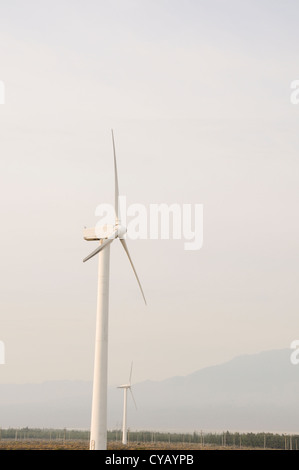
[{"x": 249, "y": 393}]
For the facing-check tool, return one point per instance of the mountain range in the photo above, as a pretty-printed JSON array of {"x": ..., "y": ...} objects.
[{"x": 257, "y": 392}]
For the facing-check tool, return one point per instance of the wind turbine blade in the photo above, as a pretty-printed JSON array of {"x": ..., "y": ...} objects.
[
  {"x": 124, "y": 244},
  {"x": 98, "y": 249},
  {"x": 131, "y": 374},
  {"x": 133, "y": 398},
  {"x": 115, "y": 183}
]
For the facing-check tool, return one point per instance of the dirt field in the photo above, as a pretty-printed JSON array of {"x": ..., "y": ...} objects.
[{"x": 33, "y": 444}]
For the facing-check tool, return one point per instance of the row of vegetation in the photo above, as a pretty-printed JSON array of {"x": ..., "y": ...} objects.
[
  {"x": 201, "y": 439},
  {"x": 226, "y": 439}
]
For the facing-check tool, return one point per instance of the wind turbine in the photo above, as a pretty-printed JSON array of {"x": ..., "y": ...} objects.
[
  {"x": 126, "y": 387},
  {"x": 98, "y": 433}
]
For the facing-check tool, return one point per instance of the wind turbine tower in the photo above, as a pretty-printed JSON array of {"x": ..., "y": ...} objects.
[
  {"x": 126, "y": 387},
  {"x": 98, "y": 432}
]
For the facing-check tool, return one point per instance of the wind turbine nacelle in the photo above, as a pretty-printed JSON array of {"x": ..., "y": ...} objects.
[
  {"x": 124, "y": 386},
  {"x": 98, "y": 233}
]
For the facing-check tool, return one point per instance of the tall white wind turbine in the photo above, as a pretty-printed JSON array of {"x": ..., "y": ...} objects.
[
  {"x": 98, "y": 432},
  {"x": 126, "y": 387}
]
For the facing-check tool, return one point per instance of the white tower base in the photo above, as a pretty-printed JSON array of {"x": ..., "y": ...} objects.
[
  {"x": 125, "y": 417},
  {"x": 98, "y": 433}
]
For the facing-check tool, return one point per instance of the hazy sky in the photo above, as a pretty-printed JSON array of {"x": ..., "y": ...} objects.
[{"x": 198, "y": 95}]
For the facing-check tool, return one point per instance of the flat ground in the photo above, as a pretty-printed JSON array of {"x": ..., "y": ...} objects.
[{"x": 35, "y": 444}]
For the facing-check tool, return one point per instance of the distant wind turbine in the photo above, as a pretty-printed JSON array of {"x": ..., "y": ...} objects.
[
  {"x": 126, "y": 387},
  {"x": 98, "y": 433}
]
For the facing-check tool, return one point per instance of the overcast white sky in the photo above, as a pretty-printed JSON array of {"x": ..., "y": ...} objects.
[{"x": 198, "y": 95}]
